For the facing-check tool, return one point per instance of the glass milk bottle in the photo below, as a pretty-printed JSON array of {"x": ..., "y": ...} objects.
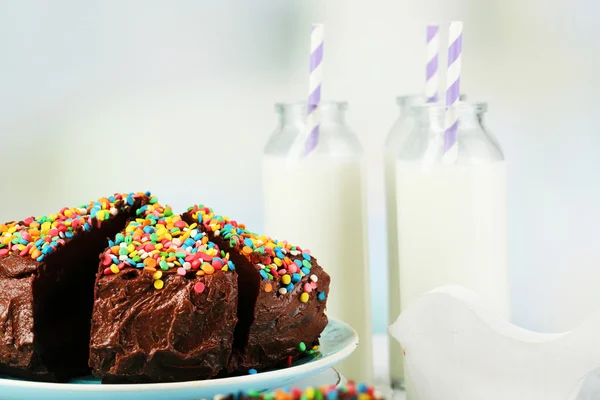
[
  {"x": 394, "y": 140},
  {"x": 318, "y": 202},
  {"x": 452, "y": 217}
]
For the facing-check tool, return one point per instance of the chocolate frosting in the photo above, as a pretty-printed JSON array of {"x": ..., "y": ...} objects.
[
  {"x": 271, "y": 325},
  {"x": 16, "y": 267},
  {"x": 281, "y": 322},
  {"x": 141, "y": 334},
  {"x": 45, "y": 307},
  {"x": 16, "y": 322},
  {"x": 16, "y": 312}
]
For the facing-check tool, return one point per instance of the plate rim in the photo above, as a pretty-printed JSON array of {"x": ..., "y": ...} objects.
[{"x": 317, "y": 365}]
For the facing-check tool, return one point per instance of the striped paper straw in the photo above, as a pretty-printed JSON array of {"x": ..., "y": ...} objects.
[
  {"x": 314, "y": 87},
  {"x": 433, "y": 49},
  {"x": 453, "y": 90}
]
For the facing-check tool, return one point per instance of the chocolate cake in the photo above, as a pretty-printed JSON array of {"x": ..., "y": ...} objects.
[
  {"x": 165, "y": 303},
  {"x": 47, "y": 270},
  {"x": 282, "y": 294},
  {"x": 137, "y": 293}
]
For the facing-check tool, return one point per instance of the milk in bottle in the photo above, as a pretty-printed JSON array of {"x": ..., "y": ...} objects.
[
  {"x": 318, "y": 202},
  {"x": 452, "y": 217}
]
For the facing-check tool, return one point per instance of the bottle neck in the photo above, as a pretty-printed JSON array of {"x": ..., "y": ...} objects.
[
  {"x": 296, "y": 132},
  {"x": 432, "y": 117},
  {"x": 406, "y": 103},
  {"x": 296, "y": 113},
  {"x": 429, "y": 139}
]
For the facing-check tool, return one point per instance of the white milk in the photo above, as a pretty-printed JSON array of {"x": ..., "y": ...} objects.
[
  {"x": 396, "y": 364},
  {"x": 319, "y": 204},
  {"x": 452, "y": 229}
]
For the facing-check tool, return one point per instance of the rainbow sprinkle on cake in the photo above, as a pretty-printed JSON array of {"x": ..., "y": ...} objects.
[
  {"x": 38, "y": 237},
  {"x": 277, "y": 261},
  {"x": 160, "y": 242}
]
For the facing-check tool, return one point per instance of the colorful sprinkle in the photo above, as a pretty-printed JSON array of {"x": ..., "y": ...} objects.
[
  {"x": 164, "y": 265},
  {"x": 322, "y": 296},
  {"x": 207, "y": 268},
  {"x": 38, "y": 237},
  {"x": 162, "y": 243},
  {"x": 252, "y": 371},
  {"x": 107, "y": 260},
  {"x": 199, "y": 287},
  {"x": 349, "y": 391},
  {"x": 247, "y": 250},
  {"x": 268, "y": 288},
  {"x": 302, "y": 346},
  {"x": 274, "y": 260}
]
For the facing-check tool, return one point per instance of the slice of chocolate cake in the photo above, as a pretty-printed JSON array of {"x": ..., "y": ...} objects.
[
  {"x": 282, "y": 294},
  {"x": 47, "y": 270},
  {"x": 165, "y": 303}
]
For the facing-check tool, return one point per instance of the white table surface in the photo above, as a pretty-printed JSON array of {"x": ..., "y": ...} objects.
[{"x": 380, "y": 365}]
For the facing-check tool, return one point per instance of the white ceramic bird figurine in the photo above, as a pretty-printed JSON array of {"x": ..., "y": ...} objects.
[{"x": 458, "y": 348}]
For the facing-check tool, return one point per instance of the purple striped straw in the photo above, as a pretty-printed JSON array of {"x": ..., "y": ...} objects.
[
  {"x": 315, "y": 79},
  {"x": 453, "y": 89},
  {"x": 433, "y": 49}
]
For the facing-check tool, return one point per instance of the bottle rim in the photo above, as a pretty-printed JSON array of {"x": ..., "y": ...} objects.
[
  {"x": 410, "y": 100},
  {"x": 462, "y": 106},
  {"x": 324, "y": 105}
]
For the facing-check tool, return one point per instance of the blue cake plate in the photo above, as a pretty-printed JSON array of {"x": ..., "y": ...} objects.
[{"x": 338, "y": 341}]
